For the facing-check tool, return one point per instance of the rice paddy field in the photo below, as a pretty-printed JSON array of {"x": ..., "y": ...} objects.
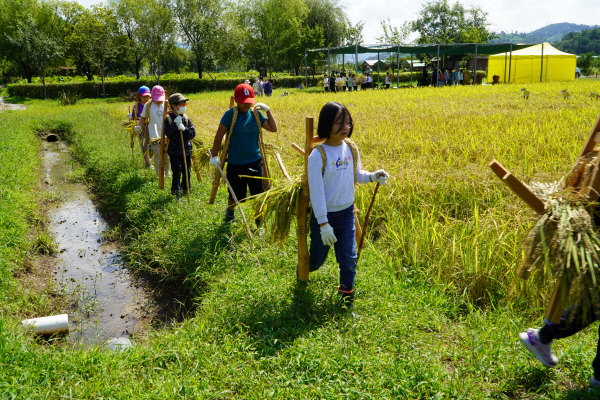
[{"x": 438, "y": 301}]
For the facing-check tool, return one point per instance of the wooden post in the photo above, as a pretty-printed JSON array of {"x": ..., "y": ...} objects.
[
  {"x": 519, "y": 188},
  {"x": 222, "y": 156},
  {"x": 185, "y": 166},
  {"x": 558, "y": 301},
  {"x": 302, "y": 226},
  {"x": 366, "y": 223},
  {"x": 161, "y": 158}
]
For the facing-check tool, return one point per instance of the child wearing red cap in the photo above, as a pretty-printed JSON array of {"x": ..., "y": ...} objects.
[
  {"x": 153, "y": 113},
  {"x": 243, "y": 156}
]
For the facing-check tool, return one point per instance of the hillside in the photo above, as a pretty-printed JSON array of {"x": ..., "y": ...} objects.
[{"x": 550, "y": 33}]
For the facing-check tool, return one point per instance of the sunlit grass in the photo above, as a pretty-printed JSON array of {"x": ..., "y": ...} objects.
[{"x": 436, "y": 295}]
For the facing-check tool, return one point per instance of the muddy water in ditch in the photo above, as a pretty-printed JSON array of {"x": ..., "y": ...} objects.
[{"x": 108, "y": 302}]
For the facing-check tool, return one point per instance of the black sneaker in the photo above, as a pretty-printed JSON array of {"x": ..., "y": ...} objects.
[{"x": 229, "y": 215}]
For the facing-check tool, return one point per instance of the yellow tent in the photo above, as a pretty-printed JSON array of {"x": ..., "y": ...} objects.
[{"x": 538, "y": 63}]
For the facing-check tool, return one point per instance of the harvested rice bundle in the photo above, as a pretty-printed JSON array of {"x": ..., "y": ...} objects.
[
  {"x": 278, "y": 206},
  {"x": 563, "y": 248}
]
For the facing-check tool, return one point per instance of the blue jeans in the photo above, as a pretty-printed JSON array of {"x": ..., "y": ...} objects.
[{"x": 342, "y": 223}]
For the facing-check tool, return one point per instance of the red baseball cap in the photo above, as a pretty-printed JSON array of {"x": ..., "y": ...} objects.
[{"x": 244, "y": 94}]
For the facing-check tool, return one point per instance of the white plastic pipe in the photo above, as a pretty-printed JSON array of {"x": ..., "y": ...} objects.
[{"x": 48, "y": 325}]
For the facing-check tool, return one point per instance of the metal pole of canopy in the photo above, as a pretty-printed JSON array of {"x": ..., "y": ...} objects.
[
  {"x": 398, "y": 69},
  {"x": 505, "y": 60},
  {"x": 306, "y": 69},
  {"x": 475, "y": 66},
  {"x": 344, "y": 61},
  {"x": 328, "y": 63},
  {"x": 542, "y": 64},
  {"x": 378, "y": 69},
  {"x": 356, "y": 56},
  {"x": 510, "y": 63},
  {"x": 437, "y": 73},
  {"x": 411, "y": 70}
]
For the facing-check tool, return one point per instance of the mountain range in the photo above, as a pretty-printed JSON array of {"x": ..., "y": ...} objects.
[{"x": 550, "y": 33}]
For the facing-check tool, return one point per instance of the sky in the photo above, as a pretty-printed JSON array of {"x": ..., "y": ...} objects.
[{"x": 504, "y": 15}]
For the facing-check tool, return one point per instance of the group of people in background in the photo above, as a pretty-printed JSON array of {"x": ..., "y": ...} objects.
[
  {"x": 261, "y": 87},
  {"x": 445, "y": 77},
  {"x": 342, "y": 81}
]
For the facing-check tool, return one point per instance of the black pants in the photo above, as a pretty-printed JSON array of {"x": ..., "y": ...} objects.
[
  {"x": 573, "y": 320},
  {"x": 239, "y": 184},
  {"x": 178, "y": 182}
]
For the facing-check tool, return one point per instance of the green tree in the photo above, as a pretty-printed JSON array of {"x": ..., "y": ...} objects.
[
  {"x": 392, "y": 34},
  {"x": 585, "y": 62},
  {"x": 129, "y": 16},
  {"x": 30, "y": 36},
  {"x": 202, "y": 25},
  {"x": 158, "y": 34},
  {"x": 442, "y": 22},
  {"x": 95, "y": 40},
  {"x": 275, "y": 28},
  {"x": 328, "y": 16},
  {"x": 353, "y": 33}
]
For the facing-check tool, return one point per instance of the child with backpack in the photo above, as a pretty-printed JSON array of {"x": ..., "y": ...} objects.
[
  {"x": 179, "y": 127},
  {"x": 151, "y": 123},
  {"x": 243, "y": 125},
  {"x": 333, "y": 169}
]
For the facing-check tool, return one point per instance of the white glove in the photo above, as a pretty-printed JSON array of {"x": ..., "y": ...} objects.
[
  {"x": 178, "y": 120},
  {"x": 137, "y": 129},
  {"x": 327, "y": 235},
  {"x": 129, "y": 116},
  {"x": 261, "y": 106},
  {"x": 380, "y": 176},
  {"x": 215, "y": 162},
  {"x": 180, "y": 126}
]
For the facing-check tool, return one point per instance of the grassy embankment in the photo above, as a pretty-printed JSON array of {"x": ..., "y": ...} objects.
[{"x": 435, "y": 290}]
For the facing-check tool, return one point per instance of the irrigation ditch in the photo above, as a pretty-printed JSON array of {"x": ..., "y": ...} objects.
[{"x": 107, "y": 304}]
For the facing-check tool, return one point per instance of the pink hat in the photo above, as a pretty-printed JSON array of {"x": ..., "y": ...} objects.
[
  {"x": 158, "y": 93},
  {"x": 244, "y": 94}
]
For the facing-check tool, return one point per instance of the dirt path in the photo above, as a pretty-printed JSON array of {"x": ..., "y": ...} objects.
[{"x": 11, "y": 106}]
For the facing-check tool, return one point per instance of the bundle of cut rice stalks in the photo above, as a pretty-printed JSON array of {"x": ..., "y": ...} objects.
[
  {"x": 563, "y": 247},
  {"x": 278, "y": 207}
]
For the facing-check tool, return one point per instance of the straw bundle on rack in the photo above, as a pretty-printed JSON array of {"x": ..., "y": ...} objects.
[{"x": 564, "y": 247}]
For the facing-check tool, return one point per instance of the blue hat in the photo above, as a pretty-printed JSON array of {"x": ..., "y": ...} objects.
[{"x": 144, "y": 91}]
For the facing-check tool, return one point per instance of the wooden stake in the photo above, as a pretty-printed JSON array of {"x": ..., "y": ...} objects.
[
  {"x": 186, "y": 175},
  {"x": 558, "y": 301},
  {"x": 283, "y": 170},
  {"x": 161, "y": 157},
  {"x": 302, "y": 226},
  {"x": 365, "y": 224},
  {"x": 235, "y": 199},
  {"x": 519, "y": 188}
]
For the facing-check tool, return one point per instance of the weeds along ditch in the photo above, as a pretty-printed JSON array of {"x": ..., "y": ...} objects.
[{"x": 438, "y": 301}]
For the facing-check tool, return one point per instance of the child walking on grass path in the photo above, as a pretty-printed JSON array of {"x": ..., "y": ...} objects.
[
  {"x": 177, "y": 127},
  {"x": 141, "y": 98},
  {"x": 152, "y": 118},
  {"x": 243, "y": 156},
  {"x": 333, "y": 169}
]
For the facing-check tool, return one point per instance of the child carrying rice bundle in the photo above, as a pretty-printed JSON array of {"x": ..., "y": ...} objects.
[{"x": 564, "y": 247}]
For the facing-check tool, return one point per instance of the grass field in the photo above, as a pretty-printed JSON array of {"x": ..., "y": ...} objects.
[{"x": 439, "y": 304}]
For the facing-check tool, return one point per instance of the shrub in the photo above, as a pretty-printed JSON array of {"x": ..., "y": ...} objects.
[{"x": 122, "y": 88}]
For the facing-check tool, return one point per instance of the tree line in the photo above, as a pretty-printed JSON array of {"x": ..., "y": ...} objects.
[
  {"x": 156, "y": 36},
  {"x": 126, "y": 36}
]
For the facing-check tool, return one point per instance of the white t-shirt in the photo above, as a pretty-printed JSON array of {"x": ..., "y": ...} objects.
[
  {"x": 156, "y": 118},
  {"x": 333, "y": 190}
]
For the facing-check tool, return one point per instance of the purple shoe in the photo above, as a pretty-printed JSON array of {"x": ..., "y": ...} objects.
[{"x": 531, "y": 340}]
